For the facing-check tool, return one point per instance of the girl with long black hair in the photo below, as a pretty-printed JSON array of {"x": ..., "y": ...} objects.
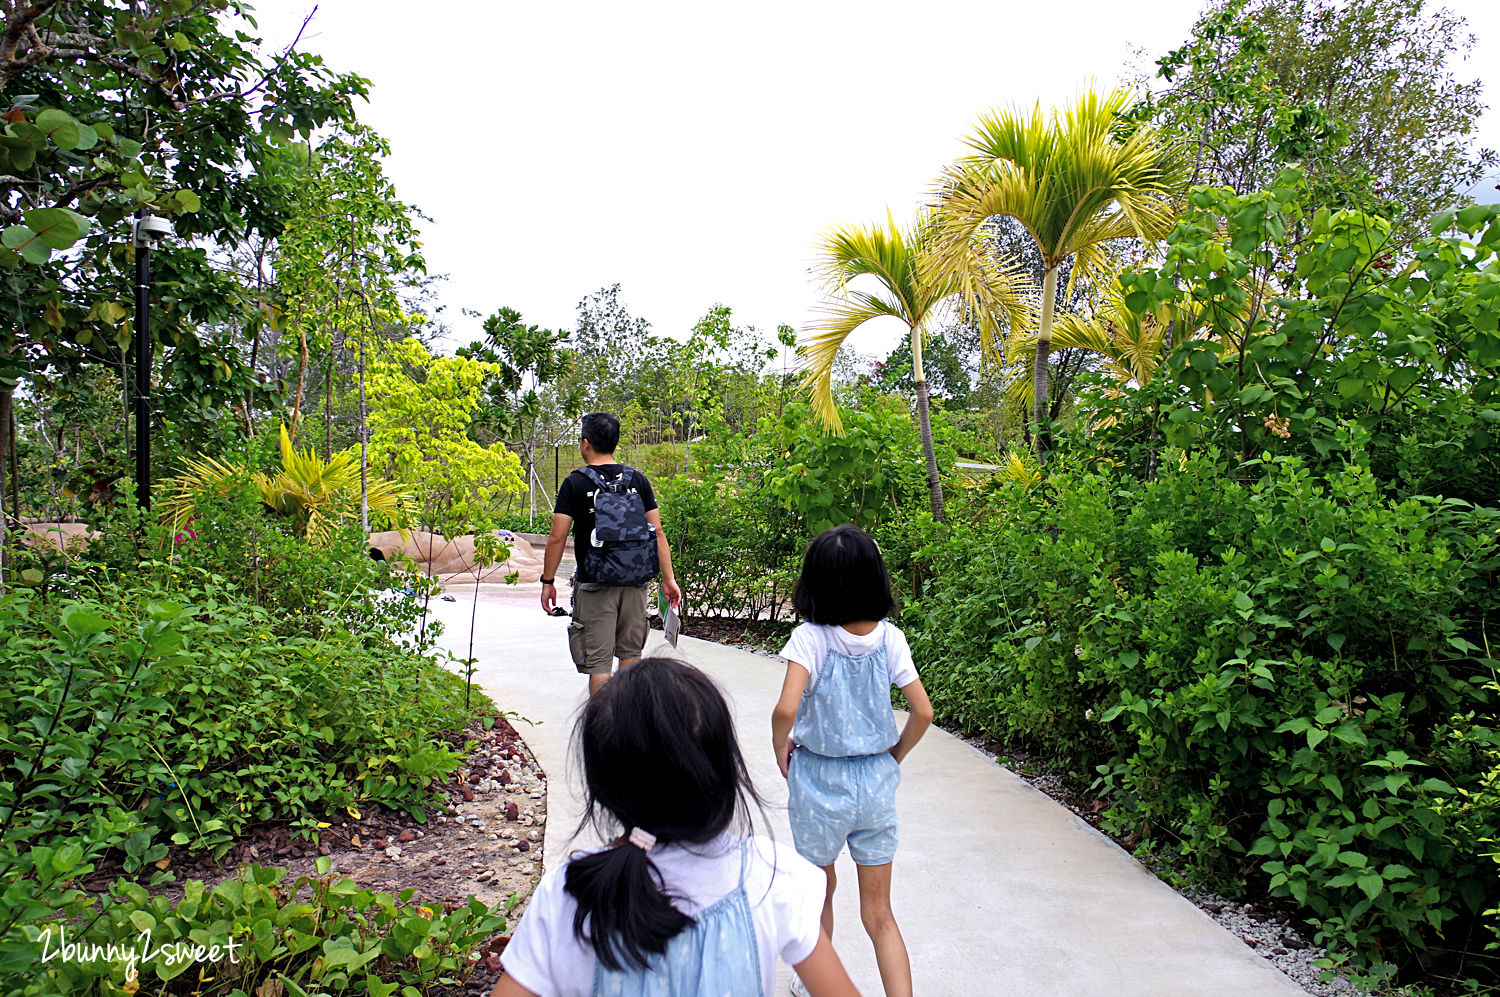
[{"x": 681, "y": 904}]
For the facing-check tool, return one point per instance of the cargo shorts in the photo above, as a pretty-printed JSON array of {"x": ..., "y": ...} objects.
[{"x": 609, "y": 621}]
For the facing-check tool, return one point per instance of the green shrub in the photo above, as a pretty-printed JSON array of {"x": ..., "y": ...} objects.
[
  {"x": 221, "y": 680},
  {"x": 1284, "y": 678},
  {"x": 319, "y": 934},
  {"x": 739, "y": 527}
]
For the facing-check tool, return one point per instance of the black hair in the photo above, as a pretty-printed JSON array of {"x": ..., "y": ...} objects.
[
  {"x": 843, "y": 579},
  {"x": 659, "y": 753},
  {"x": 602, "y": 430}
]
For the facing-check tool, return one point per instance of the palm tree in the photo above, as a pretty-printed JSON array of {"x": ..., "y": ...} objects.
[
  {"x": 1076, "y": 180},
  {"x": 313, "y": 493},
  {"x": 1126, "y": 347},
  {"x": 890, "y": 257}
]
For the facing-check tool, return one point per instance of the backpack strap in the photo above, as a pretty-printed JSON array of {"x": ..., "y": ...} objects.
[
  {"x": 620, "y": 484},
  {"x": 594, "y": 476}
]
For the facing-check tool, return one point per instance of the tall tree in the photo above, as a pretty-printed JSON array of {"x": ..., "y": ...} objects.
[
  {"x": 1360, "y": 93},
  {"x": 1076, "y": 181},
  {"x": 517, "y": 406},
  {"x": 890, "y": 258},
  {"x": 111, "y": 106}
]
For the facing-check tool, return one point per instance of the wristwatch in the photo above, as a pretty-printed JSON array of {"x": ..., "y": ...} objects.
[{"x": 548, "y": 581}]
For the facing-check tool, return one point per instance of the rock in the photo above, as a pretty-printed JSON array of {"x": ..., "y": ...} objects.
[
  {"x": 523, "y": 846},
  {"x": 393, "y": 852},
  {"x": 468, "y": 795},
  {"x": 475, "y": 779},
  {"x": 407, "y": 836},
  {"x": 528, "y": 869},
  {"x": 512, "y": 812},
  {"x": 485, "y": 876},
  {"x": 354, "y": 840},
  {"x": 534, "y": 835},
  {"x": 1249, "y": 940},
  {"x": 379, "y": 844}
]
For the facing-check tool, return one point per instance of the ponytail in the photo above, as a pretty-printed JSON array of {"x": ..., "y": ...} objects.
[{"x": 623, "y": 908}]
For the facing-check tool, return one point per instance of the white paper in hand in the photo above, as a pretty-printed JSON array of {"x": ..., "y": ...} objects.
[{"x": 671, "y": 622}]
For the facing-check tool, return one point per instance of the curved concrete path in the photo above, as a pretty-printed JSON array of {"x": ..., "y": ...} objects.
[{"x": 998, "y": 889}]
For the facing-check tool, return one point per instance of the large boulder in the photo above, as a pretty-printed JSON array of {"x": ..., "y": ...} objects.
[
  {"x": 453, "y": 560},
  {"x": 60, "y": 535}
]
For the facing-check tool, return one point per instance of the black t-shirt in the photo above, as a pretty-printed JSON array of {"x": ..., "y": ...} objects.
[{"x": 576, "y": 498}]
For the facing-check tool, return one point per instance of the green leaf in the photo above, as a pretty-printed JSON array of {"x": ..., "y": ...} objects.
[
  {"x": 187, "y": 200},
  {"x": 24, "y": 241},
  {"x": 60, "y": 127},
  {"x": 81, "y": 621},
  {"x": 1473, "y": 216},
  {"x": 1372, "y": 886},
  {"x": 58, "y": 228}
]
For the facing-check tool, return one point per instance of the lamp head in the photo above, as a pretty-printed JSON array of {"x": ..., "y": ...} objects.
[{"x": 151, "y": 230}]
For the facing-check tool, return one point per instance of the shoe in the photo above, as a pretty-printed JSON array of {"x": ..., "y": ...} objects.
[{"x": 799, "y": 989}]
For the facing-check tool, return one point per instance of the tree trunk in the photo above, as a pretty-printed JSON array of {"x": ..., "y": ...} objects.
[
  {"x": 301, "y": 383},
  {"x": 934, "y": 481},
  {"x": 7, "y": 403},
  {"x": 1040, "y": 369},
  {"x": 364, "y": 435}
]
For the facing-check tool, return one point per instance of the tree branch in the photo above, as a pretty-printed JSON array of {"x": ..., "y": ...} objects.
[{"x": 18, "y": 27}]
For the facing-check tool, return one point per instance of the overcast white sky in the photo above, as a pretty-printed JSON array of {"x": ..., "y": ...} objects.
[{"x": 692, "y": 151}]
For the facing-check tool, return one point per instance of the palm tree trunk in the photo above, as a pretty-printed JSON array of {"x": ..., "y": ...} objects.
[
  {"x": 934, "y": 481},
  {"x": 1040, "y": 368}
]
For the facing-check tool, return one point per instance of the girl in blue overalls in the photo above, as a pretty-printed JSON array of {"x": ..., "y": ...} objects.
[
  {"x": 835, "y": 734},
  {"x": 679, "y": 905}
]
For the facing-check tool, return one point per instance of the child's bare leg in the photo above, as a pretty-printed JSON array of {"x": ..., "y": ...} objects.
[
  {"x": 880, "y": 924},
  {"x": 828, "y": 901}
]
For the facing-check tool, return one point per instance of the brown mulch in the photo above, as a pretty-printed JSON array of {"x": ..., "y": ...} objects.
[
  {"x": 486, "y": 842},
  {"x": 761, "y": 636}
]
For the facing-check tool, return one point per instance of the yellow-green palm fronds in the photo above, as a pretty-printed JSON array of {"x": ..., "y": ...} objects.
[
  {"x": 201, "y": 475},
  {"x": 985, "y": 288},
  {"x": 1071, "y": 179},
  {"x": 314, "y": 493}
]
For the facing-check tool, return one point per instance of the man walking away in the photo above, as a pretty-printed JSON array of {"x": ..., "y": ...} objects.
[{"x": 619, "y": 545}]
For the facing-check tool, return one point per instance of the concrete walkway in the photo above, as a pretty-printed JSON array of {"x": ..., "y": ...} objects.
[{"x": 997, "y": 888}]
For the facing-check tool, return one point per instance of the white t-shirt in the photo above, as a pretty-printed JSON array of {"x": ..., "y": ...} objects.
[
  {"x": 784, "y": 889},
  {"x": 809, "y": 644}
]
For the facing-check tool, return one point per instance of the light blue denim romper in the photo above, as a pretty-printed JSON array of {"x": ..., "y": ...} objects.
[
  {"x": 715, "y": 956},
  {"x": 842, "y": 780}
]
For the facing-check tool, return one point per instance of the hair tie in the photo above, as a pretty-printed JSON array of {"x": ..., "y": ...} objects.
[{"x": 644, "y": 840}]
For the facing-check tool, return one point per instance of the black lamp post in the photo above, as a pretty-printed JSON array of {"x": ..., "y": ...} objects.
[{"x": 148, "y": 231}]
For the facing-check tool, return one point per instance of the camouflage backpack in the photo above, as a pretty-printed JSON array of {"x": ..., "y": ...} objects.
[{"x": 622, "y": 548}]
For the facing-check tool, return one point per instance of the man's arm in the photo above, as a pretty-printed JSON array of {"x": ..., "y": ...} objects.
[
  {"x": 669, "y": 585},
  {"x": 557, "y": 540}
]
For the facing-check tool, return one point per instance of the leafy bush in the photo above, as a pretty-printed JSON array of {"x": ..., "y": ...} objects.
[
  {"x": 739, "y": 529},
  {"x": 256, "y": 934},
  {"x": 1283, "y": 677},
  {"x": 1310, "y": 320},
  {"x": 227, "y": 678}
]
